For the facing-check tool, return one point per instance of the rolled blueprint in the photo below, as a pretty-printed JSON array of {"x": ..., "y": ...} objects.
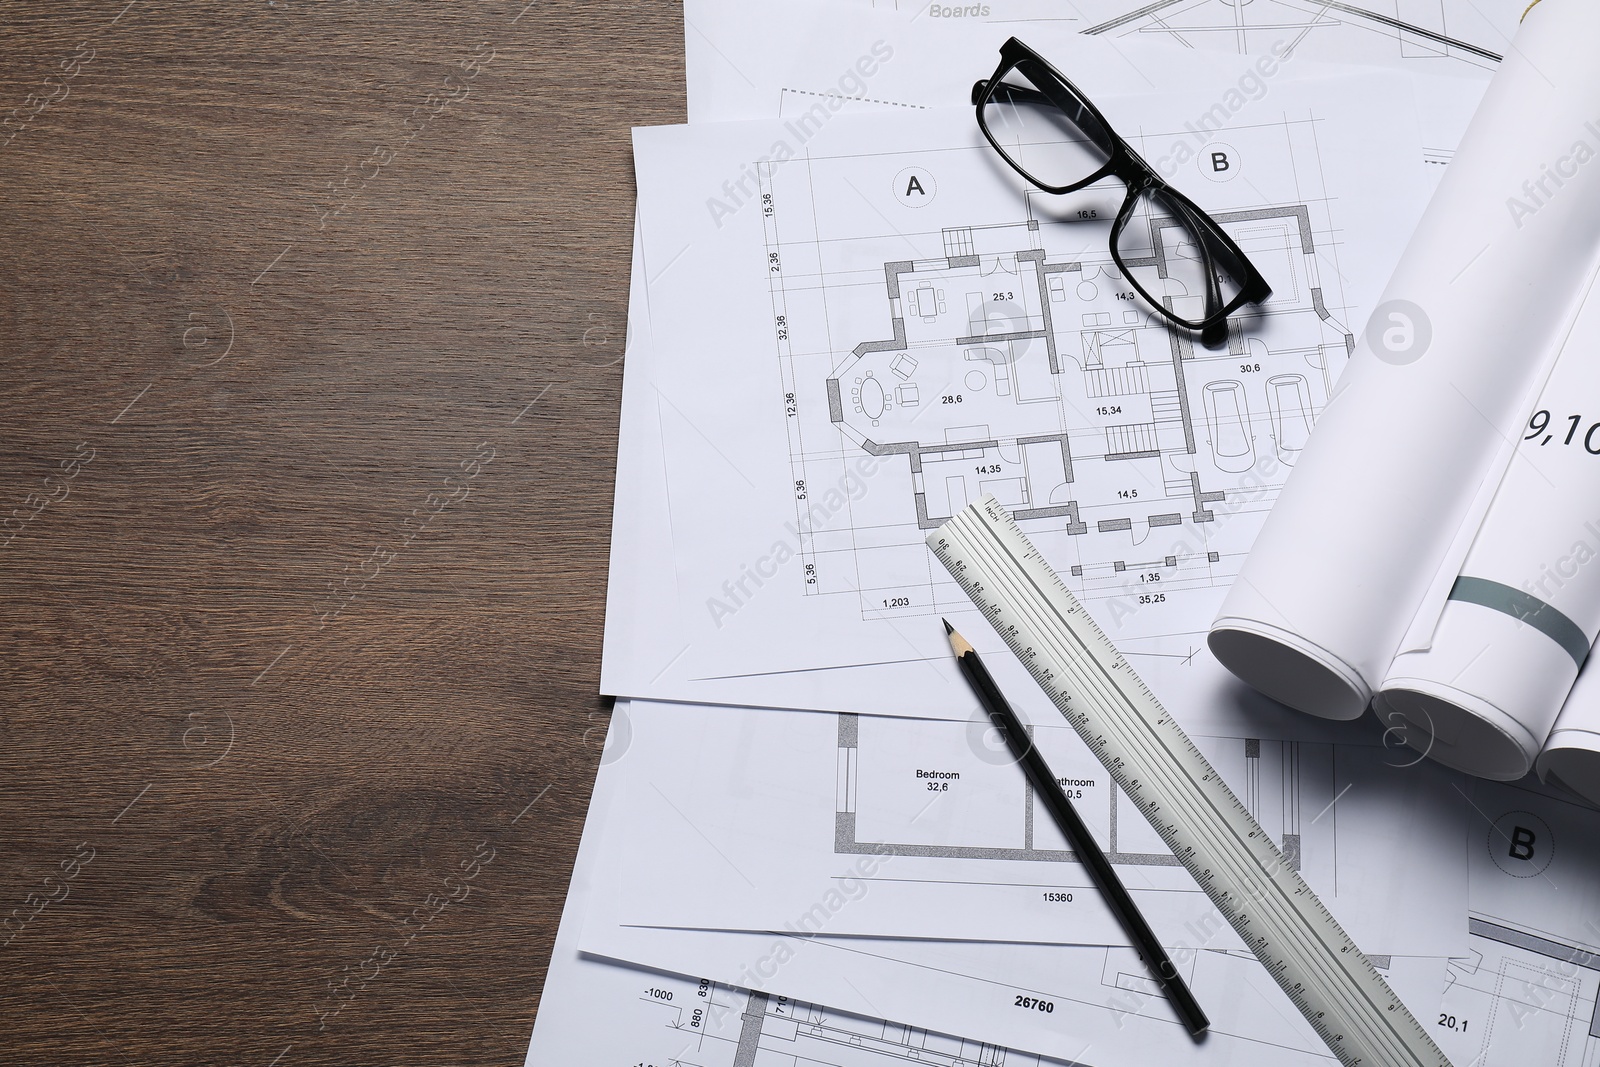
[
  {"x": 1571, "y": 758},
  {"x": 1381, "y": 505},
  {"x": 1525, "y": 608}
]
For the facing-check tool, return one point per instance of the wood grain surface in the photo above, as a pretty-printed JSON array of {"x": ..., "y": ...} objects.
[{"x": 311, "y": 325}]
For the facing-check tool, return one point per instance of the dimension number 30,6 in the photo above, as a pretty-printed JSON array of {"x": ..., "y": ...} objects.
[{"x": 1036, "y": 1004}]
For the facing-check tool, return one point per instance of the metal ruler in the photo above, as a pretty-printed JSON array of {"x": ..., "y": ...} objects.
[{"x": 1154, "y": 762}]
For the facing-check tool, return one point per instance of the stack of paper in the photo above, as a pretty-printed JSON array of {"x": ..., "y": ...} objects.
[{"x": 848, "y": 319}]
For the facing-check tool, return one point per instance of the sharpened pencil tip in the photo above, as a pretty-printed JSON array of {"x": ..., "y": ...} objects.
[{"x": 958, "y": 644}]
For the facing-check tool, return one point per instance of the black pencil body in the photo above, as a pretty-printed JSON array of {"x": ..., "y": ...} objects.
[{"x": 1083, "y": 843}]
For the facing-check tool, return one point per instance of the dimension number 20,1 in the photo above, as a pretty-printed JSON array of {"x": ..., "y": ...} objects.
[{"x": 1449, "y": 1022}]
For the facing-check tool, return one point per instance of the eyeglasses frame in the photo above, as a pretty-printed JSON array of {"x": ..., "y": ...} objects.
[{"x": 1126, "y": 165}]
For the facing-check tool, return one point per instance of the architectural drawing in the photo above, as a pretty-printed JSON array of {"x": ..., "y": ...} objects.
[
  {"x": 1407, "y": 30},
  {"x": 709, "y": 1024},
  {"x": 1519, "y": 998},
  {"x": 1061, "y": 342},
  {"x": 687, "y": 998},
  {"x": 665, "y": 1020},
  {"x": 597, "y": 1010},
  {"x": 934, "y": 817},
  {"x": 1529, "y": 990},
  {"x": 773, "y": 1026},
  {"x": 1012, "y": 358},
  {"x": 604, "y": 1011},
  {"x": 1451, "y": 37},
  {"x": 1271, "y": 776},
  {"x": 615, "y": 1013},
  {"x": 648, "y": 1016}
]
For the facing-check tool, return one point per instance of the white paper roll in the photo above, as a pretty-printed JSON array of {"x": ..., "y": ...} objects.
[
  {"x": 1525, "y": 608},
  {"x": 1443, "y": 376},
  {"x": 1571, "y": 757}
]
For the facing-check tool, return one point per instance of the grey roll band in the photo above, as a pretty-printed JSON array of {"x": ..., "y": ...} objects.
[{"x": 1526, "y": 608}]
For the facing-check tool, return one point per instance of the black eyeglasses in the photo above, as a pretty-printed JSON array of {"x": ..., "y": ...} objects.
[{"x": 1168, "y": 248}]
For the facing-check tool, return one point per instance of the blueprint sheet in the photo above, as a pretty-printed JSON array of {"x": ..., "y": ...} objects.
[
  {"x": 799, "y": 477},
  {"x": 1092, "y": 1006},
  {"x": 1195, "y": 687},
  {"x": 866, "y": 825},
  {"x": 933, "y": 61},
  {"x": 642, "y": 572},
  {"x": 603, "y": 1012},
  {"x": 1456, "y": 37},
  {"x": 595, "y": 1011},
  {"x": 1526, "y": 991}
]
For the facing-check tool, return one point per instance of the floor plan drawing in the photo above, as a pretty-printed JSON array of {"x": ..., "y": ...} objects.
[
  {"x": 771, "y": 1027},
  {"x": 1013, "y": 359},
  {"x": 1119, "y": 1016},
  {"x": 1278, "y": 780},
  {"x": 595, "y": 1010},
  {"x": 664, "y": 1020},
  {"x": 933, "y": 979},
  {"x": 1059, "y": 343},
  {"x": 1529, "y": 989},
  {"x": 908, "y": 325},
  {"x": 1520, "y": 998}
]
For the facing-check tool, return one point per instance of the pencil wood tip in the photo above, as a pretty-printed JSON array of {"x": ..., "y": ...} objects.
[{"x": 958, "y": 643}]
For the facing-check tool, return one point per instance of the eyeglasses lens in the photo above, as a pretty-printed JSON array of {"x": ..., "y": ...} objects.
[
  {"x": 1043, "y": 131},
  {"x": 1163, "y": 254}
]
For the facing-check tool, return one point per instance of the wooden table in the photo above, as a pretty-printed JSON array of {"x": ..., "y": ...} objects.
[{"x": 311, "y": 325}]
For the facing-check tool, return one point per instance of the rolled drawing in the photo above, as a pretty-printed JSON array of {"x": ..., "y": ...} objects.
[
  {"x": 1525, "y": 607},
  {"x": 1380, "y": 510},
  {"x": 1571, "y": 757}
]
